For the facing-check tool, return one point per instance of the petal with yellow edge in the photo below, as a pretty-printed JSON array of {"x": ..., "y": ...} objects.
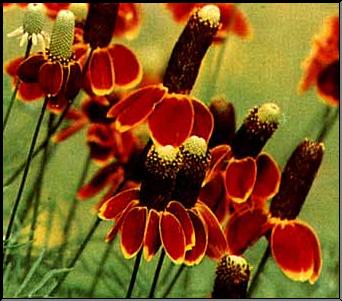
[
  {"x": 203, "y": 120},
  {"x": 172, "y": 237},
  {"x": 136, "y": 107},
  {"x": 28, "y": 70},
  {"x": 51, "y": 78},
  {"x": 132, "y": 231},
  {"x": 240, "y": 179},
  {"x": 172, "y": 120},
  {"x": 116, "y": 204},
  {"x": 30, "y": 92},
  {"x": 296, "y": 250},
  {"x": 152, "y": 237}
]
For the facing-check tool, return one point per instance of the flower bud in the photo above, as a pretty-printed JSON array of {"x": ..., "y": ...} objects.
[
  {"x": 188, "y": 53},
  {"x": 232, "y": 275},
  {"x": 257, "y": 128},
  {"x": 296, "y": 179}
]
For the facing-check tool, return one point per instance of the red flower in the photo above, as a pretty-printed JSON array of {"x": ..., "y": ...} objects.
[
  {"x": 232, "y": 18},
  {"x": 171, "y": 117},
  {"x": 321, "y": 68}
]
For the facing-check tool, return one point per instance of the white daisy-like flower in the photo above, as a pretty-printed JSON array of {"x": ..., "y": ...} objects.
[{"x": 32, "y": 28}]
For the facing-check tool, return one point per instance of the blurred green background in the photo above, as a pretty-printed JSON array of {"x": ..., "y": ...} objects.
[{"x": 265, "y": 68}]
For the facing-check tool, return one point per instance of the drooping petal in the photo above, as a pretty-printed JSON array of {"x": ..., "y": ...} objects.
[
  {"x": 68, "y": 131},
  {"x": 101, "y": 72},
  {"x": 12, "y": 66},
  {"x": 172, "y": 237},
  {"x": 136, "y": 107},
  {"x": 203, "y": 121},
  {"x": 241, "y": 25},
  {"x": 217, "y": 245},
  {"x": 244, "y": 228},
  {"x": 124, "y": 145},
  {"x": 152, "y": 237},
  {"x": 240, "y": 179},
  {"x": 178, "y": 210},
  {"x": 132, "y": 231},
  {"x": 127, "y": 68},
  {"x": 116, "y": 204},
  {"x": 267, "y": 180},
  {"x": 172, "y": 120},
  {"x": 102, "y": 178},
  {"x": 73, "y": 83},
  {"x": 28, "y": 70},
  {"x": 296, "y": 249},
  {"x": 51, "y": 78},
  {"x": 328, "y": 83},
  {"x": 128, "y": 20},
  {"x": 196, "y": 254},
  {"x": 29, "y": 92}
]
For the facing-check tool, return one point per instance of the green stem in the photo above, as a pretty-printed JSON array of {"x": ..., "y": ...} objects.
[
  {"x": 258, "y": 271},
  {"x": 134, "y": 274},
  {"x": 328, "y": 123},
  {"x": 175, "y": 278},
  {"x": 78, "y": 254},
  {"x": 16, "y": 89},
  {"x": 26, "y": 170},
  {"x": 156, "y": 274}
]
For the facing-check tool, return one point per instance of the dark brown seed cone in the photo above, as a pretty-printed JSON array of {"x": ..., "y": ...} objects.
[
  {"x": 296, "y": 179},
  {"x": 159, "y": 176},
  {"x": 100, "y": 23},
  {"x": 232, "y": 275},
  {"x": 188, "y": 53},
  {"x": 255, "y": 131},
  {"x": 224, "y": 122},
  {"x": 195, "y": 162}
]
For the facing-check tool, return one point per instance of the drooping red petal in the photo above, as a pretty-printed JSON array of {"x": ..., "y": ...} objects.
[
  {"x": 152, "y": 237},
  {"x": 12, "y": 66},
  {"x": 183, "y": 217},
  {"x": 267, "y": 180},
  {"x": 128, "y": 20},
  {"x": 203, "y": 120},
  {"x": 180, "y": 11},
  {"x": 101, "y": 72},
  {"x": 296, "y": 249},
  {"x": 240, "y": 179},
  {"x": 30, "y": 92},
  {"x": 196, "y": 254},
  {"x": 102, "y": 178},
  {"x": 172, "y": 237},
  {"x": 132, "y": 231},
  {"x": 28, "y": 70},
  {"x": 241, "y": 25},
  {"x": 124, "y": 145},
  {"x": 217, "y": 245},
  {"x": 116, "y": 204},
  {"x": 244, "y": 228},
  {"x": 328, "y": 83},
  {"x": 127, "y": 68},
  {"x": 172, "y": 120},
  {"x": 73, "y": 83},
  {"x": 136, "y": 107},
  {"x": 51, "y": 78},
  {"x": 119, "y": 220}
]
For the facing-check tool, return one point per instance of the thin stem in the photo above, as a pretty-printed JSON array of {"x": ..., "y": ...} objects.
[
  {"x": 16, "y": 89},
  {"x": 156, "y": 274},
  {"x": 258, "y": 271},
  {"x": 42, "y": 145},
  {"x": 78, "y": 254},
  {"x": 26, "y": 170},
  {"x": 134, "y": 274},
  {"x": 72, "y": 211},
  {"x": 329, "y": 122},
  {"x": 38, "y": 192},
  {"x": 175, "y": 278}
]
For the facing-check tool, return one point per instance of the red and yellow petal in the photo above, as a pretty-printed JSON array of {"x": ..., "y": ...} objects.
[
  {"x": 152, "y": 240},
  {"x": 172, "y": 120},
  {"x": 203, "y": 120},
  {"x": 136, "y": 107},
  {"x": 51, "y": 78},
  {"x": 101, "y": 72},
  {"x": 172, "y": 237},
  {"x": 217, "y": 245},
  {"x": 132, "y": 231},
  {"x": 196, "y": 254},
  {"x": 127, "y": 68},
  {"x": 180, "y": 11},
  {"x": 240, "y": 179},
  {"x": 296, "y": 250},
  {"x": 178, "y": 210},
  {"x": 28, "y": 70},
  {"x": 70, "y": 130},
  {"x": 128, "y": 20},
  {"x": 328, "y": 83},
  {"x": 241, "y": 26},
  {"x": 116, "y": 204},
  {"x": 30, "y": 92},
  {"x": 267, "y": 180},
  {"x": 12, "y": 66},
  {"x": 73, "y": 83},
  {"x": 244, "y": 228}
]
